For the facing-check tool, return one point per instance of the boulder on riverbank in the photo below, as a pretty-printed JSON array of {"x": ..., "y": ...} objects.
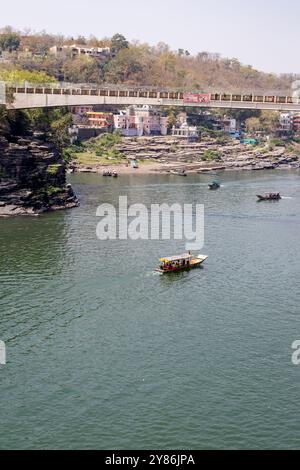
[{"x": 32, "y": 178}]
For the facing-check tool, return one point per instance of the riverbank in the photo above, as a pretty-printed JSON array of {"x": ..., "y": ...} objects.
[{"x": 165, "y": 154}]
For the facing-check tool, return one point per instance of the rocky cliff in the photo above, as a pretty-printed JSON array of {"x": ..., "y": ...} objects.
[{"x": 32, "y": 178}]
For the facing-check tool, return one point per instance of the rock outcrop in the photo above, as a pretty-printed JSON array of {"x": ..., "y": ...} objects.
[
  {"x": 169, "y": 154},
  {"x": 32, "y": 178}
]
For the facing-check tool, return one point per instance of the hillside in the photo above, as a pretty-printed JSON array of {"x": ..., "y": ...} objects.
[{"x": 133, "y": 64}]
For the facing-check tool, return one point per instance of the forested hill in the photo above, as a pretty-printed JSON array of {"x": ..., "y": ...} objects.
[{"x": 134, "y": 64}]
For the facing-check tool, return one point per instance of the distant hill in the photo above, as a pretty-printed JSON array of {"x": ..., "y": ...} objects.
[{"x": 133, "y": 64}]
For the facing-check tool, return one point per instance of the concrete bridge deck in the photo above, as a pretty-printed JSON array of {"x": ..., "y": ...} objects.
[{"x": 75, "y": 95}]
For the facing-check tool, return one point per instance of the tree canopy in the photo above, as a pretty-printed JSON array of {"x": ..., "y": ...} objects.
[
  {"x": 9, "y": 41},
  {"x": 118, "y": 42},
  {"x": 138, "y": 64}
]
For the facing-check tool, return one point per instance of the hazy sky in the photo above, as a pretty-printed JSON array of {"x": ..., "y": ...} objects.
[{"x": 263, "y": 33}]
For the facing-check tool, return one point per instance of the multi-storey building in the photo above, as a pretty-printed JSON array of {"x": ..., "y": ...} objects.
[
  {"x": 100, "y": 120},
  {"x": 286, "y": 122},
  {"x": 289, "y": 122},
  {"x": 141, "y": 120}
]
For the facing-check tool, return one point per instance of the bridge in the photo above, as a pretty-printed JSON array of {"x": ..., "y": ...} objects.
[{"x": 55, "y": 95}]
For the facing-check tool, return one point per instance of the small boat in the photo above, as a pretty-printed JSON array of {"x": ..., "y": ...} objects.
[
  {"x": 114, "y": 174},
  {"x": 107, "y": 173},
  {"x": 178, "y": 172},
  {"x": 269, "y": 197},
  {"x": 214, "y": 185},
  {"x": 180, "y": 263}
]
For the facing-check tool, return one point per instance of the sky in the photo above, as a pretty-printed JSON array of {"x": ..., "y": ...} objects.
[{"x": 261, "y": 33}]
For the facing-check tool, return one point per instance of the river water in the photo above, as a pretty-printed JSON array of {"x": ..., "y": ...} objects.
[{"x": 103, "y": 353}]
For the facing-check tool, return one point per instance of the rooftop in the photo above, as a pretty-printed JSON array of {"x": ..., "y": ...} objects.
[{"x": 176, "y": 258}]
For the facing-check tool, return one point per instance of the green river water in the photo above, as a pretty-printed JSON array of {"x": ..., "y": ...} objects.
[{"x": 102, "y": 353}]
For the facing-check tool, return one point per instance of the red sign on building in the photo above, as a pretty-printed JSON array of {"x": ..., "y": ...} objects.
[{"x": 196, "y": 98}]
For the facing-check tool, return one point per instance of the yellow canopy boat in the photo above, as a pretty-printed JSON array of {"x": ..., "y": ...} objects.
[{"x": 180, "y": 263}]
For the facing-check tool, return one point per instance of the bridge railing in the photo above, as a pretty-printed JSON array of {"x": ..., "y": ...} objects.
[{"x": 179, "y": 97}]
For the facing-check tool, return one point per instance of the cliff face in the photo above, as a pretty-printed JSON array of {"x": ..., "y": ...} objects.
[{"x": 32, "y": 178}]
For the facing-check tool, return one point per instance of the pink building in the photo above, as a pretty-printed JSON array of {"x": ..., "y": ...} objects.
[{"x": 141, "y": 120}]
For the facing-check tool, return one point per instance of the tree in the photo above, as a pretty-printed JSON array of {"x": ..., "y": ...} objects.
[
  {"x": 126, "y": 66},
  {"x": 267, "y": 122},
  {"x": 241, "y": 115},
  {"x": 81, "y": 40},
  {"x": 118, "y": 42},
  {"x": 40, "y": 118},
  {"x": 9, "y": 41},
  {"x": 18, "y": 122},
  {"x": 59, "y": 131},
  {"x": 39, "y": 43},
  {"x": 253, "y": 124},
  {"x": 81, "y": 70}
]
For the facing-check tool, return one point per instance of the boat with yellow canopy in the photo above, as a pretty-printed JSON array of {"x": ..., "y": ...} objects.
[{"x": 180, "y": 263}]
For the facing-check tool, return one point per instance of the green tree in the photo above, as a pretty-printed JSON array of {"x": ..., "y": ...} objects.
[
  {"x": 125, "y": 66},
  {"x": 59, "y": 132},
  {"x": 118, "y": 42},
  {"x": 40, "y": 118},
  {"x": 269, "y": 121},
  {"x": 18, "y": 122},
  {"x": 13, "y": 122},
  {"x": 9, "y": 41}
]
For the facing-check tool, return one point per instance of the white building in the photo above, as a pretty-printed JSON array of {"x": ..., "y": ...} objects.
[
  {"x": 286, "y": 121},
  {"x": 185, "y": 131},
  {"x": 141, "y": 120},
  {"x": 77, "y": 50}
]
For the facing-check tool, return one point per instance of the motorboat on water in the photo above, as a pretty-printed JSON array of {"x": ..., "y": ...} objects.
[
  {"x": 269, "y": 197},
  {"x": 182, "y": 262},
  {"x": 214, "y": 185}
]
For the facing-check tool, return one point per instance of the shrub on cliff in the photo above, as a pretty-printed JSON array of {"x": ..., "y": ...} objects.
[{"x": 19, "y": 76}]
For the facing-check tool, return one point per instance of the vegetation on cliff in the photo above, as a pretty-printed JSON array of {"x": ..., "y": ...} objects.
[
  {"x": 32, "y": 168},
  {"x": 98, "y": 150}
]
